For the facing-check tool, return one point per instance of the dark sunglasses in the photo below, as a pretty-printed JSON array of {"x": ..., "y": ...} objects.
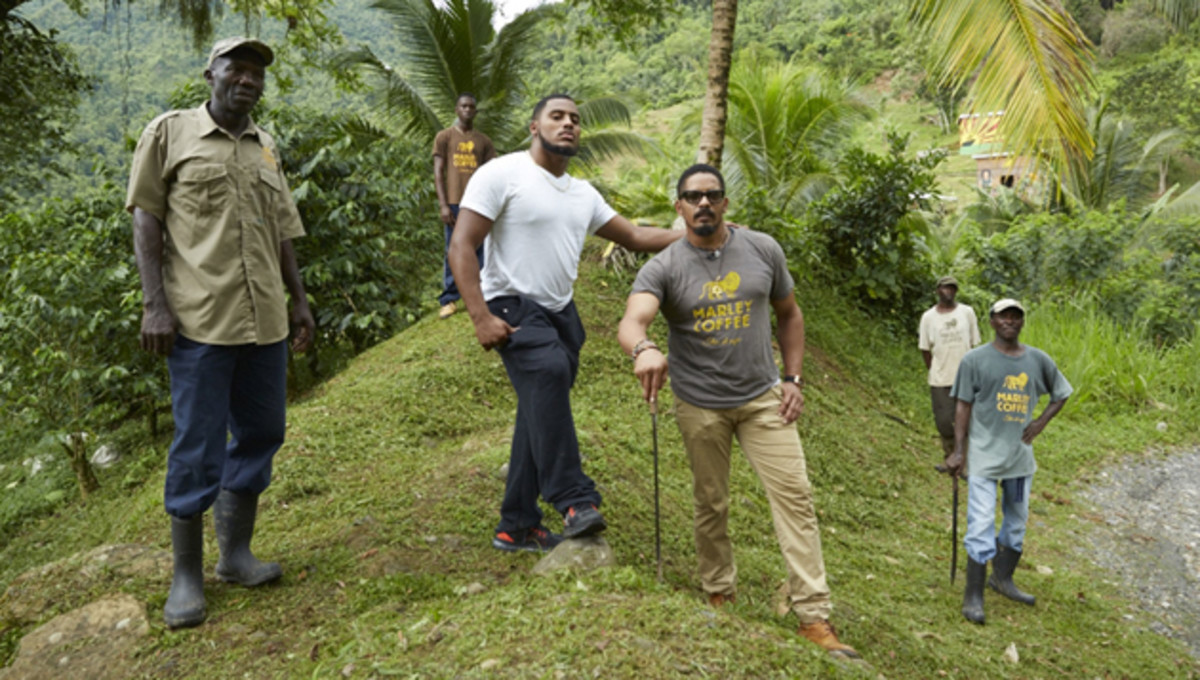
[{"x": 693, "y": 197}]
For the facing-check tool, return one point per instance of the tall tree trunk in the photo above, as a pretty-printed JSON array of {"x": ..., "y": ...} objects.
[{"x": 720, "y": 57}]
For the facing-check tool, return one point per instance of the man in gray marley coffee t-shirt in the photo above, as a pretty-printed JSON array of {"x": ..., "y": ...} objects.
[
  {"x": 717, "y": 288},
  {"x": 997, "y": 388}
]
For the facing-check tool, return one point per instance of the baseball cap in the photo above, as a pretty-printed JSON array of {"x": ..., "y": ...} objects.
[
  {"x": 1006, "y": 303},
  {"x": 947, "y": 281},
  {"x": 227, "y": 45}
]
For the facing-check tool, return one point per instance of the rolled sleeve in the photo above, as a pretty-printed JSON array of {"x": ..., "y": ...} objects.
[{"x": 147, "y": 185}]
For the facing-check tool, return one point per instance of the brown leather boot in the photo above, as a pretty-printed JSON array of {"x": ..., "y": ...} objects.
[
  {"x": 824, "y": 636},
  {"x": 719, "y": 600}
]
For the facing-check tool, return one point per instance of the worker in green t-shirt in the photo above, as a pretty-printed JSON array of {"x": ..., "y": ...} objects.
[{"x": 997, "y": 388}]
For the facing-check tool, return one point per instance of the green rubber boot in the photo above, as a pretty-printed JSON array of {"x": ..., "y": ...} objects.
[
  {"x": 233, "y": 517},
  {"x": 185, "y": 602},
  {"x": 973, "y": 594},
  {"x": 1001, "y": 581}
]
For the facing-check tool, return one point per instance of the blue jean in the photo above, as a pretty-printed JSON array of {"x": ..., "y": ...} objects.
[
  {"x": 981, "y": 538},
  {"x": 449, "y": 288},
  {"x": 229, "y": 405},
  {"x": 542, "y": 360}
]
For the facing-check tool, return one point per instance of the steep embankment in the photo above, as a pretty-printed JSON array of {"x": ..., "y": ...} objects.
[{"x": 386, "y": 492}]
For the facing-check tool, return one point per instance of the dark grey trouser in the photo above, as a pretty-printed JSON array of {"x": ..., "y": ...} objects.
[
  {"x": 944, "y": 406},
  {"x": 542, "y": 359}
]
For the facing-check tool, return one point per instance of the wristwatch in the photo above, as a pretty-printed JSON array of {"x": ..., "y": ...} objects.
[{"x": 799, "y": 381}]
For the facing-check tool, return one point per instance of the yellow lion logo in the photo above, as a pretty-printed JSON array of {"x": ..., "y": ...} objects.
[
  {"x": 722, "y": 288},
  {"x": 466, "y": 147},
  {"x": 1016, "y": 382}
]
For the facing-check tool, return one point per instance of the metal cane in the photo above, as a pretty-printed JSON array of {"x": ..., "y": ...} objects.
[
  {"x": 954, "y": 532},
  {"x": 657, "y": 521}
]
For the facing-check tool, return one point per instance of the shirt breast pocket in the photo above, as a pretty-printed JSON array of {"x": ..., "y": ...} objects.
[
  {"x": 270, "y": 192},
  {"x": 203, "y": 188}
]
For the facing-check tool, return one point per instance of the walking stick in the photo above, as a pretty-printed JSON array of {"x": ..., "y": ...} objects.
[
  {"x": 954, "y": 533},
  {"x": 657, "y": 522}
]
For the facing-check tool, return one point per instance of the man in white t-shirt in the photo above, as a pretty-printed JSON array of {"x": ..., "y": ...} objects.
[
  {"x": 535, "y": 218},
  {"x": 948, "y": 331}
]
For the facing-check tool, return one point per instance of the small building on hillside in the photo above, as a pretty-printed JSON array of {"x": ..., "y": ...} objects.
[{"x": 979, "y": 137}]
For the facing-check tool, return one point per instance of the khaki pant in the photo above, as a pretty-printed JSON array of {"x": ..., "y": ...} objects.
[{"x": 774, "y": 451}]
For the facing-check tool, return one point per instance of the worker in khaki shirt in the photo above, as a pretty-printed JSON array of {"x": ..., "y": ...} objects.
[{"x": 213, "y": 221}]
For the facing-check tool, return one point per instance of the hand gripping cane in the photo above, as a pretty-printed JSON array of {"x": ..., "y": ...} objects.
[{"x": 657, "y": 521}]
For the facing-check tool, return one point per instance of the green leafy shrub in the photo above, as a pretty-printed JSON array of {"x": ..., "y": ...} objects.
[
  {"x": 70, "y": 307},
  {"x": 875, "y": 238},
  {"x": 374, "y": 241}
]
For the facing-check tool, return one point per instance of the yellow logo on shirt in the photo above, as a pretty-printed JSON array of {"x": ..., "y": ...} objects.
[
  {"x": 1016, "y": 382},
  {"x": 269, "y": 158},
  {"x": 722, "y": 316},
  {"x": 464, "y": 157},
  {"x": 722, "y": 288},
  {"x": 1013, "y": 402}
]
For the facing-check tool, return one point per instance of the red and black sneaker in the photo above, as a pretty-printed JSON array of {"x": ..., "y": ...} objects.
[
  {"x": 583, "y": 520},
  {"x": 534, "y": 539}
]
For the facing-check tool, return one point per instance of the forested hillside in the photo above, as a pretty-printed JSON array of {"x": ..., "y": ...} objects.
[{"x": 840, "y": 140}]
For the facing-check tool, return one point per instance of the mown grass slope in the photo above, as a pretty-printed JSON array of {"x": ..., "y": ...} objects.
[{"x": 386, "y": 492}]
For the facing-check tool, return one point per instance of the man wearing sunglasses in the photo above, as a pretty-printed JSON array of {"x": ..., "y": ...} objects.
[{"x": 717, "y": 289}]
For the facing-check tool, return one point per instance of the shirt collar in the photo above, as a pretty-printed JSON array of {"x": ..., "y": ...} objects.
[{"x": 210, "y": 126}]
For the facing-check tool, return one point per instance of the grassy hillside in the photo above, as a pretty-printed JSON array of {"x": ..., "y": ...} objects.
[{"x": 385, "y": 494}]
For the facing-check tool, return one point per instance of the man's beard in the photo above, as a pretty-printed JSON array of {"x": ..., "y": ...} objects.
[
  {"x": 704, "y": 230},
  {"x": 567, "y": 151}
]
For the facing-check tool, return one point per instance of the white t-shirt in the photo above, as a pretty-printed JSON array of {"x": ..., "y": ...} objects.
[
  {"x": 539, "y": 223},
  {"x": 948, "y": 337}
]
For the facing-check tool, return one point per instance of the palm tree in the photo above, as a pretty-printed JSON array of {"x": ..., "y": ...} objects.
[
  {"x": 1122, "y": 167},
  {"x": 453, "y": 48},
  {"x": 720, "y": 58},
  {"x": 1028, "y": 58},
  {"x": 785, "y": 125},
  {"x": 448, "y": 50}
]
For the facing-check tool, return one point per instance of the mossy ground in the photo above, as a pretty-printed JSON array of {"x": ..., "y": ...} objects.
[{"x": 386, "y": 492}]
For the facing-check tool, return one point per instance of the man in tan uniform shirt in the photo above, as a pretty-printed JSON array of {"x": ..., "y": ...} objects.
[
  {"x": 213, "y": 221},
  {"x": 458, "y": 151}
]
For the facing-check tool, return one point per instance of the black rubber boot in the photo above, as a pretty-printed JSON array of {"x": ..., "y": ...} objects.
[
  {"x": 233, "y": 517},
  {"x": 973, "y": 595},
  {"x": 185, "y": 603},
  {"x": 1003, "y": 566}
]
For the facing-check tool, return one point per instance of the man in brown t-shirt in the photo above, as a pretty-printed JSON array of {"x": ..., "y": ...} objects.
[
  {"x": 457, "y": 152},
  {"x": 213, "y": 223}
]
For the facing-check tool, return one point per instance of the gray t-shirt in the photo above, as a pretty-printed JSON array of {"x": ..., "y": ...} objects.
[
  {"x": 719, "y": 315},
  {"x": 1003, "y": 391}
]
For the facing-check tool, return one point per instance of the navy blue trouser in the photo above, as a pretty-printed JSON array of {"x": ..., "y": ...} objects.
[
  {"x": 229, "y": 405},
  {"x": 542, "y": 359},
  {"x": 449, "y": 288}
]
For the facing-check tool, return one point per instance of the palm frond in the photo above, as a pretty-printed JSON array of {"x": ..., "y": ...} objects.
[
  {"x": 401, "y": 99},
  {"x": 602, "y": 111},
  {"x": 599, "y": 146},
  {"x": 1187, "y": 204},
  {"x": 1029, "y": 59}
]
